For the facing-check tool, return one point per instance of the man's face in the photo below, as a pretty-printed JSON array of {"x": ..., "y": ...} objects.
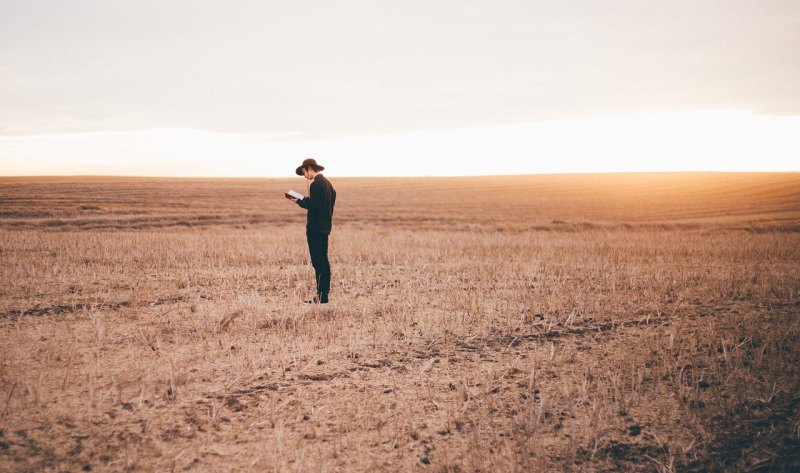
[{"x": 307, "y": 173}]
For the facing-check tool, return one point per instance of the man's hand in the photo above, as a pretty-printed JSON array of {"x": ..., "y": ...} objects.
[{"x": 293, "y": 199}]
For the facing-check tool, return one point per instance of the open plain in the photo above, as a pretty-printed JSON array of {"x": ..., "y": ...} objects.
[{"x": 636, "y": 322}]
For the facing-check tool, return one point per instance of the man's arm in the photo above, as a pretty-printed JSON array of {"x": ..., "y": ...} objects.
[{"x": 315, "y": 200}]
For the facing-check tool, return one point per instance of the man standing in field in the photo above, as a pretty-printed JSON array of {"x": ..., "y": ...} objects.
[{"x": 319, "y": 204}]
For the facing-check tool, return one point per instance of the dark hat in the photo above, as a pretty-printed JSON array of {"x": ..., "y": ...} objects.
[{"x": 309, "y": 163}]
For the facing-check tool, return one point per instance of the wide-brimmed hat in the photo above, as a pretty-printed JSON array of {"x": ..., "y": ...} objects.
[{"x": 309, "y": 163}]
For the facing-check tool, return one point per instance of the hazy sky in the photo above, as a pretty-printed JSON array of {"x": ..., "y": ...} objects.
[{"x": 241, "y": 87}]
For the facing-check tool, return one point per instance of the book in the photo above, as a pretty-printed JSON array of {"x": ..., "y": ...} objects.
[{"x": 292, "y": 194}]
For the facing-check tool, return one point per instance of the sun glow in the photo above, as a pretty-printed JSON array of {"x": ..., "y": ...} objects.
[{"x": 679, "y": 141}]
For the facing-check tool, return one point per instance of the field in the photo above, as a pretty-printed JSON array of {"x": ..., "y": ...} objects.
[{"x": 635, "y": 322}]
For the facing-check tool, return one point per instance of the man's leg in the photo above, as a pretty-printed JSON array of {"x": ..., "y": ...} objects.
[
  {"x": 324, "y": 286},
  {"x": 315, "y": 250}
]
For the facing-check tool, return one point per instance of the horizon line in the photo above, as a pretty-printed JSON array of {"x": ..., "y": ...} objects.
[{"x": 453, "y": 176}]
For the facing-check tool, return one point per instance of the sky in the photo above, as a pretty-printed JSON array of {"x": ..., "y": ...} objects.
[{"x": 373, "y": 87}]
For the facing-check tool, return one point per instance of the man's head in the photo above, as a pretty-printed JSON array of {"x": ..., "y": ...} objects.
[
  {"x": 309, "y": 173},
  {"x": 309, "y": 169}
]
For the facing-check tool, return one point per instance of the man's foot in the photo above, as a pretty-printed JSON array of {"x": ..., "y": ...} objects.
[{"x": 317, "y": 300}]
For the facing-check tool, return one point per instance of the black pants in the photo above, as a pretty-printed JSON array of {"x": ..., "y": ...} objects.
[{"x": 318, "y": 247}]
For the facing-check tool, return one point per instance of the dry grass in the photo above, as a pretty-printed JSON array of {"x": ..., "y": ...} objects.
[{"x": 539, "y": 323}]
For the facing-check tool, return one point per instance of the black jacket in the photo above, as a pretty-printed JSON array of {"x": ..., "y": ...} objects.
[{"x": 320, "y": 205}]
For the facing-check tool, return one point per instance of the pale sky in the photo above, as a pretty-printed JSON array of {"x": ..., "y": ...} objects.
[{"x": 250, "y": 88}]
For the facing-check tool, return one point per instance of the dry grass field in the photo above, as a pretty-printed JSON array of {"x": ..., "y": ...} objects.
[{"x": 632, "y": 322}]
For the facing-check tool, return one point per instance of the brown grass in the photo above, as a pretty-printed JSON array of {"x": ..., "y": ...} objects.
[{"x": 535, "y": 323}]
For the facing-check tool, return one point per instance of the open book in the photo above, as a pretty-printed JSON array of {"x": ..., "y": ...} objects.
[{"x": 293, "y": 194}]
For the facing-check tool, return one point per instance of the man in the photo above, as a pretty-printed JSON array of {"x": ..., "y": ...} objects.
[{"x": 320, "y": 214}]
